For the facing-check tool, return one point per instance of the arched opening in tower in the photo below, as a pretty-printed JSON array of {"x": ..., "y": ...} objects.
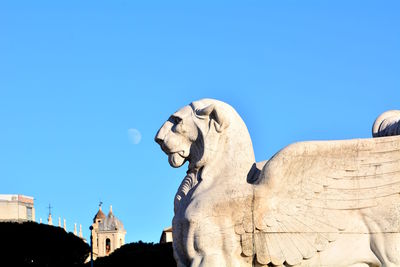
[{"x": 108, "y": 246}]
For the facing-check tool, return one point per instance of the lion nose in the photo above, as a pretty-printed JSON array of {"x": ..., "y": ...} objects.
[{"x": 159, "y": 138}]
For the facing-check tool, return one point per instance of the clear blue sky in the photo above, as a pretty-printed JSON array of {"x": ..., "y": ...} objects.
[{"x": 75, "y": 76}]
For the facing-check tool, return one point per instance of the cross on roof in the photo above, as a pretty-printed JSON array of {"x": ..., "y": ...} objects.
[{"x": 50, "y": 209}]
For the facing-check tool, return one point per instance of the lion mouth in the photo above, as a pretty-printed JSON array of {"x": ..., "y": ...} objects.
[
  {"x": 179, "y": 152},
  {"x": 176, "y": 159}
]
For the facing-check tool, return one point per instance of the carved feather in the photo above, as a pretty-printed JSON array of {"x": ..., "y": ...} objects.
[{"x": 306, "y": 192}]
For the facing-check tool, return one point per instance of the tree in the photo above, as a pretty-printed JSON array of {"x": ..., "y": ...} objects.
[
  {"x": 139, "y": 254},
  {"x": 33, "y": 244}
]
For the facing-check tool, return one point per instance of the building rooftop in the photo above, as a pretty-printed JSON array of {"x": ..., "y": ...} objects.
[
  {"x": 14, "y": 197},
  {"x": 111, "y": 223},
  {"x": 99, "y": 215}
]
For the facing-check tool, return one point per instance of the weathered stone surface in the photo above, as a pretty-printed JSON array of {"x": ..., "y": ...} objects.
[{"x": 320, "y": 203}]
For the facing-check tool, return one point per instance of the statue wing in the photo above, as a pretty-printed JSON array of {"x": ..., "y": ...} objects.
[{"x": 304, "y": 193}]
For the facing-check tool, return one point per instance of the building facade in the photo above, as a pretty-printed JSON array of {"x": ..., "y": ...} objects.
[
  {"x": 108, "y": 233},
  {"x": 166, "y": 235},
  {"x": 17, "y": 208}
]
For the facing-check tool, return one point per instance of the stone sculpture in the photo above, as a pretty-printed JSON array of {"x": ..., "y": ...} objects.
[
  {"x": 319, "y": 203},
  {"x": 387, "y": 124}
]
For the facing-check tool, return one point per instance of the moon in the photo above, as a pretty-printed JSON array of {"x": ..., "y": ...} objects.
[{"x": 134, "y": 136}]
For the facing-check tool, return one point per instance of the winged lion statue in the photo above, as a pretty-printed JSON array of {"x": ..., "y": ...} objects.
[{"x": 317, "y": 203}]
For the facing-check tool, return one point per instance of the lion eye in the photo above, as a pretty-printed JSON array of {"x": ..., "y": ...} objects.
[
  {"x": 178, "y": 120},
  {"x": 175, "y": 120}
]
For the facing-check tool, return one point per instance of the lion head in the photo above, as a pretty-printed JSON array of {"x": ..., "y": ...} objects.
[{"x": 207, "y": 132}]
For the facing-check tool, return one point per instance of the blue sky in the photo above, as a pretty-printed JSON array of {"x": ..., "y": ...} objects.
[{"x": 76, "y": 76}]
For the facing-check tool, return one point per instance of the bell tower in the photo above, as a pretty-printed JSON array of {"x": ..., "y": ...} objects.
[{"x": 108, "y": 233}]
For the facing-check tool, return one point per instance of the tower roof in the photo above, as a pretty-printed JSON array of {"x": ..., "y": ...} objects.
[
  {"x": 111, "y": 223},
  {"x": 99, "y": 215}
]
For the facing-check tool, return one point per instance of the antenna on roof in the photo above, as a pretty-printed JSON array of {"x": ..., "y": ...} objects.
[
  {"x": 100, "y": 203},
  {"x": 50, "y": 209}
]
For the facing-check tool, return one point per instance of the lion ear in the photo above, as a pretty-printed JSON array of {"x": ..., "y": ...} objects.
[{"x": 216, "y": 114}]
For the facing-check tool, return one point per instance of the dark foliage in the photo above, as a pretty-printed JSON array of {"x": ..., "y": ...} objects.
[
  {"x": 33, "y": 244},
  {"x": 139, "y": 254}
]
